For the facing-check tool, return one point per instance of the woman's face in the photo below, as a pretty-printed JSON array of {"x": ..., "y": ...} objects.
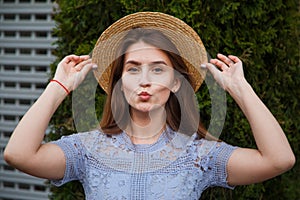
[{"x": 147, "y": 77}]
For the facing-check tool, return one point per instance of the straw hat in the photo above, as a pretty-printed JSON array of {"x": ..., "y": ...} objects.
[{"x": 182, "y": 35}]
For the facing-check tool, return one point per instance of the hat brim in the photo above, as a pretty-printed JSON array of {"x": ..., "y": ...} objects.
[{"x": 186, "y": 40}]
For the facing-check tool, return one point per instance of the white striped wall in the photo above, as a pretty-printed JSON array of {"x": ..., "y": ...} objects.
[{"x": 25, "y": 55}]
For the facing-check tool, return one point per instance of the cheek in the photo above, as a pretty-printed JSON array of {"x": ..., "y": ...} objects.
[
  {"x": 128, "y": 87},
  {"x": 162, "y": 94},
  {"x": 165, "y": 80},
  {"x": 129, "y": 83}
]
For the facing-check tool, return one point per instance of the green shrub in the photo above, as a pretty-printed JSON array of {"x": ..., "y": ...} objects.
[{"x": 264, "y": 34}]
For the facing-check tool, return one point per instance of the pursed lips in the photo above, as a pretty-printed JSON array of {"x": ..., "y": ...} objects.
[{"x": 144, "y": 95}]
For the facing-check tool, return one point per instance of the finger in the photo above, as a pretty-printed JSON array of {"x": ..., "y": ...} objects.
[
  {"x": 84, "y": 57},
  {"x": 87, "y": 68},
  {"x": 79, "y": 66},
  {"x": 221, "y": 65},
  {"x": 70, "y": 58},
  {"x": 217, "y": 74},
  {"x": 80, "y": 76},
  {"x": 225, "y": 59},
  {"x": 234, "y": 58},
  {"x": 79, "y": 59},
  {"x": 74, "y": 59},
  {"x": 213, "y": 69}
]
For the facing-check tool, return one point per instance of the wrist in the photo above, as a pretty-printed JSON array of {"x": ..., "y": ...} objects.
[
  {"x": 240, "y": 89},
  {"x": 57, "y": 89},
  {"x": 61, "y": 85}
]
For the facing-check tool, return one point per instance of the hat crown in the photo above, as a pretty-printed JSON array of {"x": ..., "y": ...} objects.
[{"x": 186, "y": 40}]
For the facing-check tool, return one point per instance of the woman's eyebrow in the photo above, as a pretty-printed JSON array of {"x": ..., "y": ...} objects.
[
  {"x": 137, "y": 63},
  {"x": 158, "y": 63},
  {"x": 133, "y": 62}
]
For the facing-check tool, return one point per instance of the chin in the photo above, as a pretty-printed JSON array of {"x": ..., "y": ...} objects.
[
  {"x": 148, "y": 107},
  {"x": 144, "y": 108}
]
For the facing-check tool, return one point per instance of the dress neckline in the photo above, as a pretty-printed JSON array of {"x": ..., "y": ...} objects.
[{"x": 166, "y": 136}]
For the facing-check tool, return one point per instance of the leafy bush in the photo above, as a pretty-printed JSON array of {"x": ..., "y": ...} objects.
[{"x": 264, "y": 34}]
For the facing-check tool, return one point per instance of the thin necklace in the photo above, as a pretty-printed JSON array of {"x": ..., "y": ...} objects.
[{"x": 149, "y": 137}]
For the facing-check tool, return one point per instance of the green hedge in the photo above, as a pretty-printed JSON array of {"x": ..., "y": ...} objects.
[{"x": 264, "y": 34}]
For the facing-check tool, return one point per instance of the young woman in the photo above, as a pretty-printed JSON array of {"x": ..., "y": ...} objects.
[{"x": 151, "y": 144}]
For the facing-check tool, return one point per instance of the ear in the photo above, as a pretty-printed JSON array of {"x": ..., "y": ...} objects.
[{"x": 176, "y": 85}]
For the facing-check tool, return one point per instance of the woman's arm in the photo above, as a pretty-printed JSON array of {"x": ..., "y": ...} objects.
[
  {"x": 25, "y": 150},
  {"x": 273, "y": 155}
]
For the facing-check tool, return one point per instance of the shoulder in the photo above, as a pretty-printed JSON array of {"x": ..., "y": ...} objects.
[
  {"x": 203, "y": 149},
  {"x": 198, "y": 146},
  {"x": 82, "y": 139},
  {"x": 82, "y": 135},
  {"x": 90, "y": 136}
]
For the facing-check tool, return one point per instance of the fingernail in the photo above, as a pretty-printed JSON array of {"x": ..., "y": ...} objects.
[
  {"x": 94, "y": 66},
  {"x": 203, "y": 65}
]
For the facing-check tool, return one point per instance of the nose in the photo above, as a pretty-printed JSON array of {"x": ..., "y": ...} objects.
[{"x": 145, "y": 79}]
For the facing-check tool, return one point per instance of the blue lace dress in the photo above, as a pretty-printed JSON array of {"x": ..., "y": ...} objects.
[{"x": 175, "y": 167}]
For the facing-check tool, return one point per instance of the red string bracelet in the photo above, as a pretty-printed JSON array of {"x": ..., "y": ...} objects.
[{"x": 53, "y": 80}]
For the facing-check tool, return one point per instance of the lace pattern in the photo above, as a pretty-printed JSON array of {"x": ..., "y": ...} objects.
[{"x": 175, "y": 167}]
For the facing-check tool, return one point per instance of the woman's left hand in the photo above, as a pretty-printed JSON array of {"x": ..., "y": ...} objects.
[
  {"x": 227, "y": 71},
  {"x": 245, "y": 165}
]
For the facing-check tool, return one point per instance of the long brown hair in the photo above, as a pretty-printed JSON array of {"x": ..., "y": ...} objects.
[{"x": 180, "y": 107}]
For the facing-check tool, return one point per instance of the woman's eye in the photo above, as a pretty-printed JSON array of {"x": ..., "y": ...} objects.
[
  {"x": 157, "y": 70},
  {"x": 133, "y": 69}
]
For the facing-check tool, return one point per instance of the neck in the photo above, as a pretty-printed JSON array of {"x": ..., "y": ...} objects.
[{"x": 146, "y": 127}]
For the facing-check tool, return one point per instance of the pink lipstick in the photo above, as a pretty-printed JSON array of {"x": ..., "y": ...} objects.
[{"x": 144, "y": 96}]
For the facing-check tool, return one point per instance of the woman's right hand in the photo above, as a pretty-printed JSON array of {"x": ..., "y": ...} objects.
[
  {"x": 72, "y": 70},
  {"x": 25, "y": 149}
]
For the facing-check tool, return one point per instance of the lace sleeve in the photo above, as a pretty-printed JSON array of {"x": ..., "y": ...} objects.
[
  {"x": 73, "y": 150},
  {"x": 220, "y": 156}
]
